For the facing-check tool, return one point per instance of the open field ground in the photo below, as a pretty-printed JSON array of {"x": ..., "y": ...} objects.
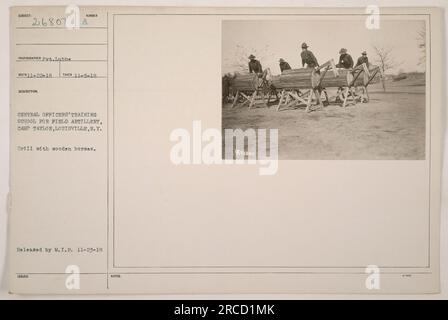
[{"x": 391, "y": 126}]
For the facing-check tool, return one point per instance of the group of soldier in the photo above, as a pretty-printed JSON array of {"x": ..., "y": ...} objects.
[{"x": 309, "y": 61}]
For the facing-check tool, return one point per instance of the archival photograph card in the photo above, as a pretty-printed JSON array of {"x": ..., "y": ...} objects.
[{"x": 225, "y": 150}]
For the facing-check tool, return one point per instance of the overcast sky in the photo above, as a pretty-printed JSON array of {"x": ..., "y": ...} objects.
[{"x": 274, "y": 39}]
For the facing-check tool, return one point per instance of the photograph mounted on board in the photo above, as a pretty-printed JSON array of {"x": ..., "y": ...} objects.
[{"x": 333, "y": 88}]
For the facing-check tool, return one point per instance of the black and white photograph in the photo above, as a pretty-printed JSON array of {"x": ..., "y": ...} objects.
[
  {"x": 336, "y": 89},
  {"x": 228, "y": 152}
]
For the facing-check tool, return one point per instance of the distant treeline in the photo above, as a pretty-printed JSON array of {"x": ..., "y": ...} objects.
[{"x": 409, "y": 76}]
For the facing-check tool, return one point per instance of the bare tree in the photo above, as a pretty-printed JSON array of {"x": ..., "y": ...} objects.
[
  {"x": 385, "y": 60},
  {"x": 421, "y": 40},
  {"x": 239, "y": 61}
]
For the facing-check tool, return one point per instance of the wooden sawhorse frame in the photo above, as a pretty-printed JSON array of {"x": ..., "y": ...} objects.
[
  {"x": 291, "y": 97},
  {"x": 370, "y": 75},
  {"x": 250, "y": 96},
  {"x": 306, "y": 96},
  {"x": 346, "y": 92}
]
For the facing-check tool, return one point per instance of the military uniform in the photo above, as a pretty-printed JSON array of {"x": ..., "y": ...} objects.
[
  {"x": 361, "y": 60},
  {"x": 309, "y": 59},
  {"x": 284, "y": 66},
  {"x": 345, "y": 61},
  {"x": 255, "y": 66}
]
